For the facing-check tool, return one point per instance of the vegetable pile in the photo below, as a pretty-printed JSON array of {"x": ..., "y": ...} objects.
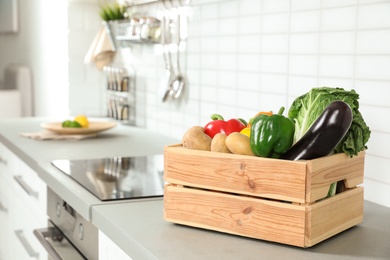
[{"x": 319, "y": 123}]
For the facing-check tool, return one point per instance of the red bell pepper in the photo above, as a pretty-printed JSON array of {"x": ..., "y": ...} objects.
[{"x": 218, "y": 125}]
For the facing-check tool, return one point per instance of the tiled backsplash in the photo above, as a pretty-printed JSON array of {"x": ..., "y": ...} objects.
[{"x": 244, "y": 56}]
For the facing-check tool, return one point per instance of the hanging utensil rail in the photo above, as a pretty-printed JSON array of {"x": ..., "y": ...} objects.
[{"x": 130, "y": 3}]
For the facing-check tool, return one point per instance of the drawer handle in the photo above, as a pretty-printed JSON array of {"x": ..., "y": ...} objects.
[
  {"x": 25, "y": 186},
  {"x": 30, "y": 251},
  {"x": 2, "y": 208},
  {"x": 3, "y": 161}
]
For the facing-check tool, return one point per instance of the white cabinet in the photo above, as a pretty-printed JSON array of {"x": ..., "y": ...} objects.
[
  {"x": 25, "y": 244},
  {"x": 5, "y": 219},
  {"x": 109, "y": 250},
  {"x": 22, "y": 208}
]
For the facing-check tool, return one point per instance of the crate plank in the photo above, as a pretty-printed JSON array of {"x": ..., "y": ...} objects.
[
  {"x": 339, "y": 167},
  {"x": 235, "y": 173},
  {"x": 239, "y": 215},
  {"x": 334, "y": 215},
  {"x": 296, "y": 181}
]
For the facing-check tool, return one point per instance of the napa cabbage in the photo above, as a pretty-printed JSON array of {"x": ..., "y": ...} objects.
[{"x": 306, "y": 108}]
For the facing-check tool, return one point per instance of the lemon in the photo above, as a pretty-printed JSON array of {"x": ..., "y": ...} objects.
[{"x": 82, "y": 120}]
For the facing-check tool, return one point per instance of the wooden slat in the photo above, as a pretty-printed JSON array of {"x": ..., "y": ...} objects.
[
  {"x": 323, "y": 171},
  {"x": 250, "y": 175},
  {"x": 334, "y": 215},
  {"x": 239, "y": 215},
  {"x": 295, "y": 181}
]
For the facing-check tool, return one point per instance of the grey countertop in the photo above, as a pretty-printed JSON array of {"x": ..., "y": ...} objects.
[
  {"x": 138, "y": 227},
  {"x": 140, "y": 230},
  {"x": 119, "y": 141}
]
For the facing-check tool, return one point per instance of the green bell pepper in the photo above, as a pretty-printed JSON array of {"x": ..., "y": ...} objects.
[{"x": 271, "y": 135}]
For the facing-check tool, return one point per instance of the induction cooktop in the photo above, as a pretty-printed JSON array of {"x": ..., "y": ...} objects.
[{"x": 118, "y": 178}]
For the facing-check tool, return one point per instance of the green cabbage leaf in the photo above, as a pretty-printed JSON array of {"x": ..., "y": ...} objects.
[{"x": 307, "y": 108}]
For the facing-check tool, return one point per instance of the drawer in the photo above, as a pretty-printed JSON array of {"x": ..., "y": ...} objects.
[
  {"x": 8, "y": 161},
  {"x": 30, "y": 188},
  {"x": 24, "y": 243},
  {"x": 5, "y": 220}
]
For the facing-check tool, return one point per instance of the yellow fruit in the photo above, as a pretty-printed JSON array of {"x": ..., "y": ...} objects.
[
  {"x": 82, "y": 120},
  {"x": 246, "y": 131}
]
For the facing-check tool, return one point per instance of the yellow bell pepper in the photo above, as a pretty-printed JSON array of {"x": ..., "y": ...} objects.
[{"x": 247, "y": 130}]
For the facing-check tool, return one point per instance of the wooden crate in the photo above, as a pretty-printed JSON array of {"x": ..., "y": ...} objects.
[{"x": 275, "y": 200}]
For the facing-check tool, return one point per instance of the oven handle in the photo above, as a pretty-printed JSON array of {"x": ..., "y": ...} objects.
[{"x": 42, "y": 234}]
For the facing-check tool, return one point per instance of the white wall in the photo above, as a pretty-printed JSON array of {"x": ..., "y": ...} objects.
[
  {"x": 86, "y": 91},
  {"x": 41, "y": 44},
  {"x": 244, "y": 56}
]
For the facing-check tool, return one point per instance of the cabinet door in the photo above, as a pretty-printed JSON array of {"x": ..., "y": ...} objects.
[
  {"x": 31, "y": 188},
  {"x": 8, "y": 162},
  {"x": 109, "y": 250},
  {"x": 24, "y": 221},
  {"x": 5, "y": 220}
]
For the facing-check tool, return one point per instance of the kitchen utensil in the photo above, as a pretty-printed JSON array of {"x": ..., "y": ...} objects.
[
  {"x": 166, "y": 52},
  {"x": 178, "y": 83}
]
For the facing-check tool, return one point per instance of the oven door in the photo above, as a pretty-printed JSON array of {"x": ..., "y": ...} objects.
[{"x": 56, "y": 244}]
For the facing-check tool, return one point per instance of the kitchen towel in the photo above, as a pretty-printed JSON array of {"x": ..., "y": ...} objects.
[
  {"x": 47, "y": 135},
  {"x": 102, "y": 49}
]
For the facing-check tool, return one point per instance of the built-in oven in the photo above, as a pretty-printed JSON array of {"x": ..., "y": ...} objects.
[{"x": 68, "y": 235}]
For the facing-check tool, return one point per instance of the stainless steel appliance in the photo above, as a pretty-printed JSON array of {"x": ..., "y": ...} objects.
[
  {"x": 68, "y": 235},
  {"x": 118, "y": 177}
]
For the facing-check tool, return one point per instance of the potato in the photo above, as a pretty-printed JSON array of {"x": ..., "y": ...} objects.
[
  {"x": 218, "y": 144},
  {"x": 195, "y": 138},
  {"x": 239, "y": 144}
]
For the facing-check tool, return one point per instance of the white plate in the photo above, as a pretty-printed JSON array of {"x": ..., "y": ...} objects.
[{"x": 94, "y": 127}]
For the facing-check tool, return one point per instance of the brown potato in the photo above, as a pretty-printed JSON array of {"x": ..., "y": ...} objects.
[
  {"x": 218, "y": 144},
  {"x": 195, "y": 138},
  {"x": 239, "y": 144}
]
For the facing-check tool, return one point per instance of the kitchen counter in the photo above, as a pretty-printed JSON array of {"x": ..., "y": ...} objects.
[
  {"x": 140, "y": 230},
  {"x": 138, "y": 227},
  {"x": 119, "y": 141}
]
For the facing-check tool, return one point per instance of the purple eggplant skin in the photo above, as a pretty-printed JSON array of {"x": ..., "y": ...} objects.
[{"x": 324, "y": 135}]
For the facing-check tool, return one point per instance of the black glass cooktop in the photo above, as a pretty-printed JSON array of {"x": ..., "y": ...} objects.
[{"x": 118, "y": 177}]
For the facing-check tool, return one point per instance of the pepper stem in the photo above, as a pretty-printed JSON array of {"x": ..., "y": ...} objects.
[
  {"x": 243, "y": 121},
  {"x": 281, "y": 110},
  {"x": 216, "y": 117}
]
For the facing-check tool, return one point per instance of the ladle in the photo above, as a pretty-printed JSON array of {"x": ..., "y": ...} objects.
[
  {"x": 168, "y": 60},
  {"x": 178, "y": 83}
]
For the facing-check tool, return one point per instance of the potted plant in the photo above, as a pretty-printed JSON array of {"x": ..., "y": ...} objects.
[{"x": 112, "y": 14}]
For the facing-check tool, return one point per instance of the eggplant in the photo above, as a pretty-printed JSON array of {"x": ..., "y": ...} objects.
[{"x": 324, "y": 134}]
